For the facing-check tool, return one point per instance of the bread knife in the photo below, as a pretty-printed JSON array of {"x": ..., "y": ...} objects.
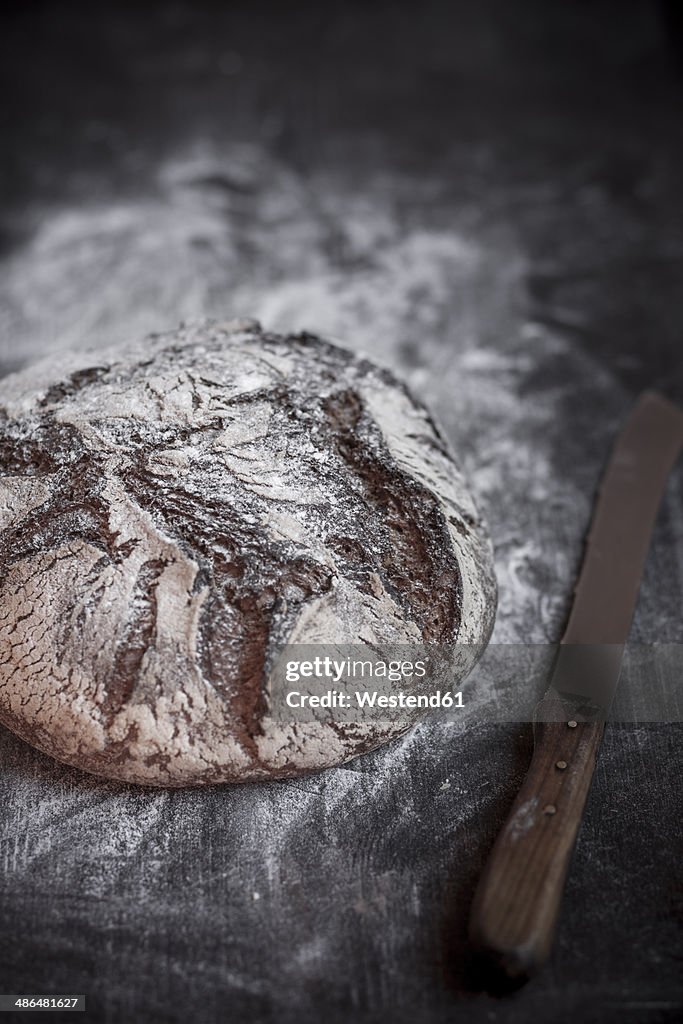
[{"x": 517, "y": 902}]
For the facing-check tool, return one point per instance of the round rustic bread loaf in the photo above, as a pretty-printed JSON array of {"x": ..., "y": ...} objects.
[{"x": 173, "y": 512}]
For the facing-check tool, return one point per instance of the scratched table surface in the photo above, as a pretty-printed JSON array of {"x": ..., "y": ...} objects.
[{"x": 487, "y": 198}]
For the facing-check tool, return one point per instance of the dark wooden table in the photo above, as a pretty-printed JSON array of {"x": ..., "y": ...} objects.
[{"x": 487, "y": 197}]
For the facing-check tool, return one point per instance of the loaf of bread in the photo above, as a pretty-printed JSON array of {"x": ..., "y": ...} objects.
[{"x": 173, "y": 512}]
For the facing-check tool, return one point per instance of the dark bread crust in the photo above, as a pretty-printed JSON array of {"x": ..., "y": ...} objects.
[{"x": 242, "y": 477}]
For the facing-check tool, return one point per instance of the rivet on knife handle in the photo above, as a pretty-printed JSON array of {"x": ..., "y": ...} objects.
[{"x": 517, "y": 902}]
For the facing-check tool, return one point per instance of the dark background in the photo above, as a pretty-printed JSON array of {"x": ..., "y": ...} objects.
[{"x": 488, "y": 198}]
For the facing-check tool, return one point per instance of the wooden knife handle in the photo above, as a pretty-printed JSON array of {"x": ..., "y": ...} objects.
[{"x": 517, "y": 902}]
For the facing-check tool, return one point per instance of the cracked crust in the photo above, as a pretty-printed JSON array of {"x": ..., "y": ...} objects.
[{"x": 173, "y": 512}]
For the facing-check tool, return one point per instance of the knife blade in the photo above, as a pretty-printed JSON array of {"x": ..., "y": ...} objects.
[{"x": 517, "y": 902}]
